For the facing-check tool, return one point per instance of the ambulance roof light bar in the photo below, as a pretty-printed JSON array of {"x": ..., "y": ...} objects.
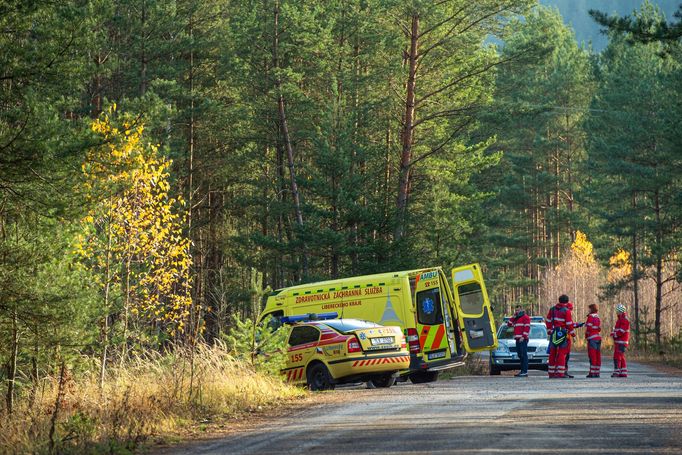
[{"x": 309, "y": 317}]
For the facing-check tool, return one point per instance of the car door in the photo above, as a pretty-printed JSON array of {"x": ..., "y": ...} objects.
[
  {"x": 432, "y": 317},
  {"x": 475, "y": 316},
  {"x": 302, "y": 343}
]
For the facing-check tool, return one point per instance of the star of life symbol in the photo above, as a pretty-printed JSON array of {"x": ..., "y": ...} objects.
[{"x": 428, "y": 306}]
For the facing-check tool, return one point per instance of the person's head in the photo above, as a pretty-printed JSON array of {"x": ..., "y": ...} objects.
[
  {"x": 620, "y": 309},
  {"x": 519, "y": 308},
  {"x": 563, "y": 298},
  {"x": 594, "y": 308}
]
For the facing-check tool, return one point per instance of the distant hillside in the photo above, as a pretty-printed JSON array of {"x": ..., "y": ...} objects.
[{"x": 586, "y": 30}]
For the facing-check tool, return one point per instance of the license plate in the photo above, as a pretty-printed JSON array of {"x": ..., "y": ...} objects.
[
  {"x": 436, "y": 355},
  {"x": 381, "y": 340}
]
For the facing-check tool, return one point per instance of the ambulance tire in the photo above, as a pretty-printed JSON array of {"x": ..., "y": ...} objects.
[
  {"x": 318, "y": 377},
  {"x": 495, "y": 371},
  {"x": 381, "y": 382},
  {"x": 424, "y": 377}
]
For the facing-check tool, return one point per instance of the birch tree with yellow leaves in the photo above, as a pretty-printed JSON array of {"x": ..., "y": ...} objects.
[
  {"x": 578, "y": 274},
  {"x": 132, "y": 236}
]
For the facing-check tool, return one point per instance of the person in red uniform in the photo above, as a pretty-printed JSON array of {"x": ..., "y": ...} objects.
[
  {"x": 521, "y": 323},
  {"x": 559, "y": 323},
  {"x": 593, "y": 338},
  {"x": 569, "y": 305},
  {"x": 621, "y": 338}
]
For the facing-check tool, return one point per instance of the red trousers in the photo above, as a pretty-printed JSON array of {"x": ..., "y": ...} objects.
[
  {"x": 594, "y": 353},
  {"x": 557, "y": 360},
  {"x": 620, "y": 367}
]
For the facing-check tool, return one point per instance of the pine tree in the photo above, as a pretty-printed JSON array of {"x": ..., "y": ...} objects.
[
  {"x": 540, "y": 104},
  {"x": 634, "y": 151}
]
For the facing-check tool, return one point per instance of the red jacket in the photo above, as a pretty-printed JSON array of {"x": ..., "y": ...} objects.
[
  {"x": 521, "y": 325},
  {"x": 593, "y": 327},
  {"x": 559, "y": 316},
  {"x": 621, "y": 334}
]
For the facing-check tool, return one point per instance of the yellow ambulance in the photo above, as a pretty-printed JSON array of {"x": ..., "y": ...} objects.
[{"x": 442, "y": 317}]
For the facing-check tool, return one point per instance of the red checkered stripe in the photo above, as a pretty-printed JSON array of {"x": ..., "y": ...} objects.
[
  {"x": 295, "y": 374},
  {"x": 380, "y": 361}
]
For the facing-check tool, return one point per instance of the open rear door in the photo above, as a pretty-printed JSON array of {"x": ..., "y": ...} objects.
[{"x": 475, "y": 316}]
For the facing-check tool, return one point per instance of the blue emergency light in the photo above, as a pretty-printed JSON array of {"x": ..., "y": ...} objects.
[{"x": 309, "y": 317}]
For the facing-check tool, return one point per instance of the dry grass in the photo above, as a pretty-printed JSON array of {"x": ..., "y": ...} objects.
[
  {"x": 474, "y": 365},
  {"x": 669, "y": 359},
  {"x": 152, "y": 395}
]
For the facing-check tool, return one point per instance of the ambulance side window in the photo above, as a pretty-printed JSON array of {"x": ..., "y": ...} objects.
[
  {"x": 429, "y": 307},
  {"x": 471, "y": 298},
  {"x": 303, "y": 335}
]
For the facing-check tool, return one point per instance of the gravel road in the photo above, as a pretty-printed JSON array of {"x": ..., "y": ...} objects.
[{"x": 480, "y": 414}]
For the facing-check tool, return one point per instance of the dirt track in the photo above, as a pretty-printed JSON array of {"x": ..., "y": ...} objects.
[{"x": 503, "y": 414}]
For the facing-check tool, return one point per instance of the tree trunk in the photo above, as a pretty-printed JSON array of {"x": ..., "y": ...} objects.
[
  {"x": 34, "y": 375},
  {"x": 635, "y": 273},
  {"x": 57, "y": 407},
  {"x": 12, "y": 363},
  {"x": 659, "y": 267},
  {"x": 104, "y": 332},
  {"x": 143, "y": 53},
  {"x": 191, "y": 146},
  {"x": 287, "y": 138},
  {"x": 557, "y": 224},
  {"x": 407, "y": 134},
  {"x": 97, "y": 95},
  {"x": 126, "y": 307},
  {"x": 356, "y": 125}
]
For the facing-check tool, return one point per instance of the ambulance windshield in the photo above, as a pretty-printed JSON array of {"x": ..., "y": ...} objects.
[{"x": 348, "y": 325}]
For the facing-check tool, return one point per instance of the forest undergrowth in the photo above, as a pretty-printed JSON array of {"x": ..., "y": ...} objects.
[{"x": 151, "y": 396}]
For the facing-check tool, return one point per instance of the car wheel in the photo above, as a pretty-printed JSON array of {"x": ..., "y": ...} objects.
[
  {"x": 494, "y": 371},
  {"x": 381, "y": 382},
  {"x": 319, "y": 378},
  {"x": 423, "y": 377}
]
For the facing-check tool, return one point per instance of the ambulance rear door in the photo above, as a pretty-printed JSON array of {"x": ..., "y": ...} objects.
[
  {"x": 432, "y": 317},
  {"x": 476, "y": 321}
]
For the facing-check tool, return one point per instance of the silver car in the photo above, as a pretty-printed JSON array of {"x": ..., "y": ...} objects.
[{"x": 505, "y": 357}]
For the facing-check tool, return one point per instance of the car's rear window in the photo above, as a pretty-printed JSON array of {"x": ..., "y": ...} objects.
[
  {"x": 347, "y": 325},
  {"x": 537, "y": 331}
]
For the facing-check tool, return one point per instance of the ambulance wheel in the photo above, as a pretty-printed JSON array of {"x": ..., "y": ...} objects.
[
  {"x": 423, "y": 377},
  {"x": 381, "y": 382},
  {"x": 495, "y": 371},
  {"x": 319, "y": 378}
]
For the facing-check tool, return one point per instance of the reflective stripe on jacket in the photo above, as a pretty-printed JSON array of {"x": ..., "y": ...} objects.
[
  {"x": 593, "y": 327},
  {"x": 621, "y": 333},
  {"x": 521, "y": 324},
  {"x": 559, "y": 316}
]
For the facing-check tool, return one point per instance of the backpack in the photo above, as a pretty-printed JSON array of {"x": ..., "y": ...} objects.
[{"x": 559, "y": 336}]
